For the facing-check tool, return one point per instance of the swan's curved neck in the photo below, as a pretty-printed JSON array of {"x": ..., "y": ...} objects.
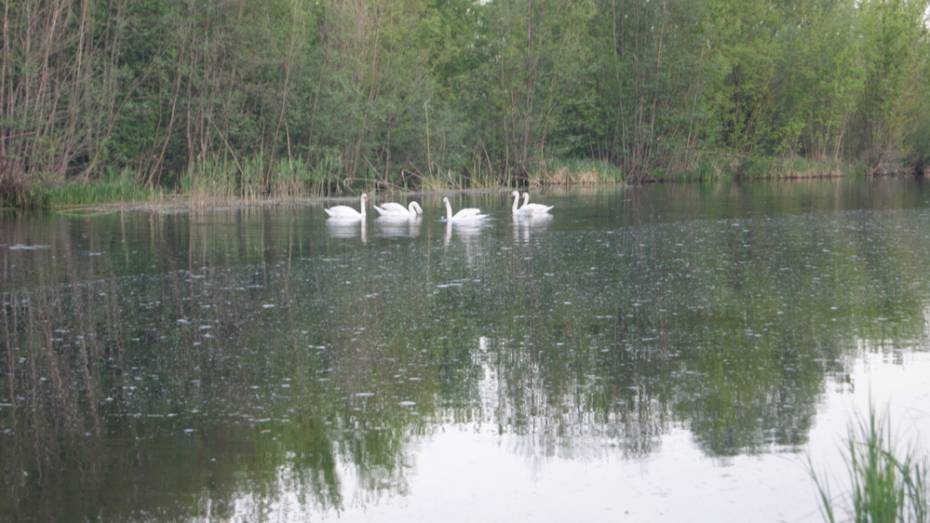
[
  {"x": 516, "y": 202},
  {"x": 526, "y": 198},
  {"x": 448, "y": 211},
  {"x": 412, "y": 209}
]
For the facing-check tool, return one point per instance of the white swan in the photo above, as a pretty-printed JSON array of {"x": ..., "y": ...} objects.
[
  {"x": 533, "y": 208},
  {"x": 396, "y": 210},
  {"x": 469, "y": 215},
  {"x": 344, "y": 212},
  {"x": 516, "y": 201}
]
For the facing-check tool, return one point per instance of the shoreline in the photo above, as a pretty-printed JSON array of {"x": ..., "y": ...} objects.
[{"x": 189, "y": 202}]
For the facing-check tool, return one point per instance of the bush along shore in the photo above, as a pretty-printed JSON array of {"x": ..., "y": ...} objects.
[{"x": 139, "y": 99}]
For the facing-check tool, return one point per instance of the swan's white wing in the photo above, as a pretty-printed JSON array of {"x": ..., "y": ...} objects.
[
  {"x": 467, "y": 213},
  {"x": 342, "y": 211},
  {"x": 535, "y": 208},
  {"x": 472, "y": 218},
  {"x": 394, "y": 207},
  {"x": 394, "y": 218}
]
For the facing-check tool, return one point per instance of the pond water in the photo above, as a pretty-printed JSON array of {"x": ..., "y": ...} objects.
[{"x": 666, "y": 353}]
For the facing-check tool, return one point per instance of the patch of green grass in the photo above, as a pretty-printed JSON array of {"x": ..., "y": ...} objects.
[
  {"x": 450, "y": 180},
  {"x": 755, "y": 167},
  {"x": 887, "y": 485},
  {"x": 721, "y": 166},
  {"x": 437, "y": 182},
  {"x": 703, "y": 167},
  {"x": 577, "y": 171},
  {"x": 112, "y": 188},
  {"x": 231, "y": 178},
  {"x": 225, "y": 177}
]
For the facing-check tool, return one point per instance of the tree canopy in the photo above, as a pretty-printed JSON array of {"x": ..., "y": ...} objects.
[{"x": 248, "y": 97}]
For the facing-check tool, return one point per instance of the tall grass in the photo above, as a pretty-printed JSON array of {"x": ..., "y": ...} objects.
[
  {"x": 765, "y": 167},
  {"x": 701, "y": 166},
  {"x": 259, "y": 177},
  {"x": 114, "y": 187},
  {"x": 226, "y": 177},
  {"x": 576, "y": 171},
  {"x": 723, "y": 166},
  {"x": 887, "y": 485},
  {"x": 451, "y": 180},
  {"x": 440, "y": 182}
]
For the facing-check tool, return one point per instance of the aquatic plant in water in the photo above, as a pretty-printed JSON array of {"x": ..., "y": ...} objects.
[{"x": 886, "y": 485}]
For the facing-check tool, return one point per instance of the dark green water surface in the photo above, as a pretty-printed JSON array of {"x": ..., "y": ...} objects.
[{"x": 668, "y": 353}]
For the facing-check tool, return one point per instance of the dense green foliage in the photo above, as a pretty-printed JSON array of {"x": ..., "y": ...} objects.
[{"x": 251, "y": 98}]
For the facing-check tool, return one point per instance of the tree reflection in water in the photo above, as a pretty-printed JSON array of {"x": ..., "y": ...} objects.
[{"x": 208, "y": 364}]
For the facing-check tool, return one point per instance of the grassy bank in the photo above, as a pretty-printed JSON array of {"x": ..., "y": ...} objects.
[
  {"x": 257, "y": 179},
  {"x": 713, "y": 167},
  {"x": 576, "y": 172},
  {"x": 102, "y": 191},
  {"x": 42, "y": 194},
  {"x": 797, "y": 167},
  {"x": 722, "y": 167}
]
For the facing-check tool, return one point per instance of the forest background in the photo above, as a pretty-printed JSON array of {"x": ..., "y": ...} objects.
[{"x": 125, "y": 99}]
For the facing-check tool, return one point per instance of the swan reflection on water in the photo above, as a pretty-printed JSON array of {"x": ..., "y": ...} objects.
[
  {"x": 524, "y": 226},
  {"x": 398, "y": 226},
  {"x": 347, "y": 229},
  {"x": 468, "y": 232}
]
